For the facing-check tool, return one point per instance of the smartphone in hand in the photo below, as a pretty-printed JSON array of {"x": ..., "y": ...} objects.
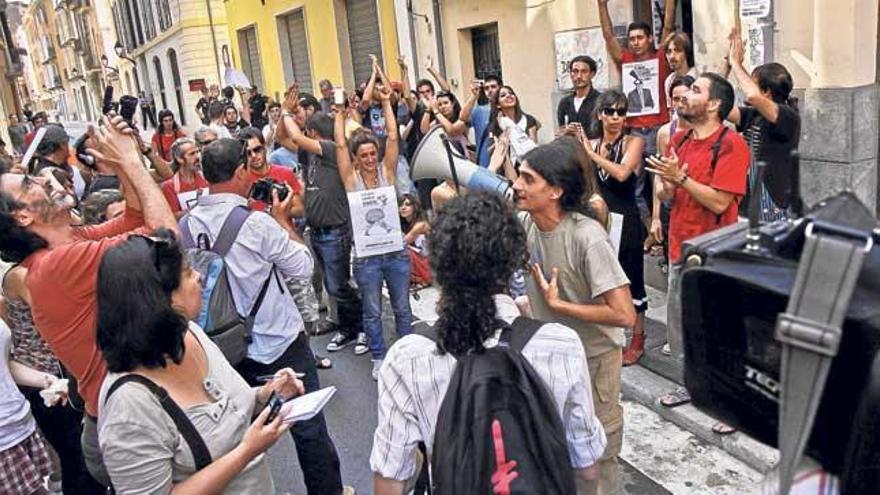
[{"x": 275, "y": 403}]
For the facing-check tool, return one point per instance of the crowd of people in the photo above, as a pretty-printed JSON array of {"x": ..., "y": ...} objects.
[{"x": 111, "y": 361}]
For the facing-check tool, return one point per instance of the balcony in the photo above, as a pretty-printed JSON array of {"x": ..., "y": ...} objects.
[{"x": 48, "y": 55}]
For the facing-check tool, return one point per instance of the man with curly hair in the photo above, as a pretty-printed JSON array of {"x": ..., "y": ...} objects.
[{"x": 476, "y": 245}]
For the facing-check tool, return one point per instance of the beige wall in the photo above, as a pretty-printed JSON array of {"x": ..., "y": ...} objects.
[{"x": 824, "y": 43}]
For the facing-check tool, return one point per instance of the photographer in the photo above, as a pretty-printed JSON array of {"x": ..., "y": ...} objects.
[
  {"x": 267, "y": 246},
  {"x": 259, "y": 168}
]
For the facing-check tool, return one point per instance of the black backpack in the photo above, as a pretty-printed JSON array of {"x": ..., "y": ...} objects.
[{"x": 498, "y": 430}]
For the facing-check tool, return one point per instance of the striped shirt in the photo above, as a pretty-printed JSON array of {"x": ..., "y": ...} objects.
[{"x": 414, "y": 378}]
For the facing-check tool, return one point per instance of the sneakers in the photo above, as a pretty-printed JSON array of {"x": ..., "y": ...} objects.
[
  {"x": 339, "y": 342},
  {"x": 377, "y": 364},
  {"x": 361, "y": 346}
]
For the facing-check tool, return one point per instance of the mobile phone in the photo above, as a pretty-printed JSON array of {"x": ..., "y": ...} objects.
[
  {"x": 275, "y": 403},
  {"x": 481, "y": 82},
  {"x": 338, "y": 96}
]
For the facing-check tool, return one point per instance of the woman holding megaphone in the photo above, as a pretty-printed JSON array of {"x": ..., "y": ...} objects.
[{"x": 379, "y": 249}]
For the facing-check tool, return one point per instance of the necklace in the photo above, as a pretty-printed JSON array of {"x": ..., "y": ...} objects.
[{"x": 370, "y": 182}]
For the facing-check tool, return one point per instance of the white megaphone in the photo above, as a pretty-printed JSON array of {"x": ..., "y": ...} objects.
[{"x": 432, "y": 161}]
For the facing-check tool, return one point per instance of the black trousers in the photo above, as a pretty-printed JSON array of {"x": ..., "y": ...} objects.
[
  {"x": 317, "y": 453},
  {"x": 62, "y": 426}
]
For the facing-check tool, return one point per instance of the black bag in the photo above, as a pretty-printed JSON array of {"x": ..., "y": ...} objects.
[
  {"x": 732, "y": 298},
  {"x": 498, "y": 426}
]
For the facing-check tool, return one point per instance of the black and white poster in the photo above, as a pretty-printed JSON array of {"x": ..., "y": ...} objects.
[
  {"x": 375, "y": 221},
  {"x": 641, "y": 85}
]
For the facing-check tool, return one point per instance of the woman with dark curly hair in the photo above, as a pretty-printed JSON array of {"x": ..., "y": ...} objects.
[{"x": 476, "y": 244}]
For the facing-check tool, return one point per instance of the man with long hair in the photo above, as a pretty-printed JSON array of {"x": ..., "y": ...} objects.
[{"x": 576, "y": 280}]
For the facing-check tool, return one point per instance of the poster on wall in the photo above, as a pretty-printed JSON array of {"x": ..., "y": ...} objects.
[
  {"x": 375, "y": 221},
  {"x": 641, "y": 85},
  {"x": 754, "y": 45},
  {"x": 570, "y": 44},
  {"x": 754, "y": 8}
]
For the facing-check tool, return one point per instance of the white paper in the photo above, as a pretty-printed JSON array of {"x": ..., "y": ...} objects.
[
  {"x": 616, "y": 231},
  {"x": 570, "y": 44},
  {"x": 641, "y": 85},
  {"x": 189, "y": 199},
  {"x": 306, "y": 406},
  {"x": 375, "y": 221},
  {"x": 755, "y": 45},
  {"x": 754, "y": 8}
]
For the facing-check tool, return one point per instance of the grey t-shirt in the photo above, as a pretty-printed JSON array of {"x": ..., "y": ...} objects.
[
  {"x": 588, "y": 267},
  {"x": 145, "y": 453},
  {"x": 325, "y": 198}
]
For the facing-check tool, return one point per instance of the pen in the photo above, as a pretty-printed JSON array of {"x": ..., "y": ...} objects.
[{"x": 267, "y": 378}]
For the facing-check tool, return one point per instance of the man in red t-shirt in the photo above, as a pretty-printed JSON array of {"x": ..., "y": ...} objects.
[
  {"x": 704, "y": 172},
  {"x": 259, "y": 168},
  {"x": 643, "y": 70},
  {"x": 63, "y": 260},
  {"x": 183, "y": 190}
]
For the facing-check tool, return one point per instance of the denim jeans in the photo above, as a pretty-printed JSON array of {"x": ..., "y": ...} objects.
[
  {"x": 314, "y": 447},
  {"x": 370, "y": 272},
  {"x": 645, "y": 180},
  {"x": 332, "y": 249}
]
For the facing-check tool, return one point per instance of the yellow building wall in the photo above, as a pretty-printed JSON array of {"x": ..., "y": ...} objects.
[{"x": 321, "y": 30}]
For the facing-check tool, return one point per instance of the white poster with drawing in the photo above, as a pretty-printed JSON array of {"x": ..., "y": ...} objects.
[
  {"x": 375, "y": 221},
  {"x": 754, "y": 45},
  {"x": 641, "y": 85},
  {"x": 570, "y": 44}
]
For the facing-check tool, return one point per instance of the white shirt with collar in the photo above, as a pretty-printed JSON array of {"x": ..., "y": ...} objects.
[
  {"x": 414, "y": 378},
  {"x": 260, "y": 244}
]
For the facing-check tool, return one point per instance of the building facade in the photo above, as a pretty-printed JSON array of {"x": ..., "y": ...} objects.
[
  {"x": 275, "y": 42},
  {"x": 170, "y": 49},
  {"x": 835, "y": 69}
]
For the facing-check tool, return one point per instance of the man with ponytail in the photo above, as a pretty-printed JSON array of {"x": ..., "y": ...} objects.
[
  {"x": 577, "y": 281},
  {"x": 476, "y": 245}
]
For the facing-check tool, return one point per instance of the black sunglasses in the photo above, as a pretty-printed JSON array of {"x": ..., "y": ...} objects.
[{"x": 621, "y": 112}]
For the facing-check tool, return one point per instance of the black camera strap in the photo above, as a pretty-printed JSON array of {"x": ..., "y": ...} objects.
[{"x": 810, "y": 331}]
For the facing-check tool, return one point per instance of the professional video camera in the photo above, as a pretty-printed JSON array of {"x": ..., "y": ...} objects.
[{"x": 770, "y": 312}]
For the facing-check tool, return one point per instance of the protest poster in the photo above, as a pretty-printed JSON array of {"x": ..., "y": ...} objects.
[
  {"x": 570, "y": 44},
  {"x": 641, "y": 85},
  {"x": 375, "y": 222}
]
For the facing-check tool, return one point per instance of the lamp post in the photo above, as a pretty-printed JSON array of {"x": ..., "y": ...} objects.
[
  {"x": 120, "y": 52},
  {"x": 106, "y": 64}
]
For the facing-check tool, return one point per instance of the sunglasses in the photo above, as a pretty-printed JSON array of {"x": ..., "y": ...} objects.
[
  {"x": 206, "y": 142},
  {"x": 621, "y": 112},
  {"x": 155, "y": 244},
  {"x": 256, "y": 151}
]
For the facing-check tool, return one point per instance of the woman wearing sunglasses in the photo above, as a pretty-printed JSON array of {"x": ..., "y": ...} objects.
[
  {"x": 617, "y": 156},
  {"x": 148, "y": 296}
]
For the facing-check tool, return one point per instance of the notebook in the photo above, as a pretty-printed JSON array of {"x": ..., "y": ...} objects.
[{"x": 306, "y": 406}]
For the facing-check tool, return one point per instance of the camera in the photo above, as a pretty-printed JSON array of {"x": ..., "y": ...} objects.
[
  {"x": 127, "y": 106},
  {"x": 82, "y": 156},
  {"x": 262, "y": 190},
  {"x": 735, "y": 291}
]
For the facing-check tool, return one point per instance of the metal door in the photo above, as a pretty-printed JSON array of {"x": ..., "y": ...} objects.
[
  {"x": 487, "y": 55},
  {"x": 364, "y": 36}
]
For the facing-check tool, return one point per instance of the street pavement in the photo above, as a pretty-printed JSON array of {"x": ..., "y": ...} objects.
[{"x": 658, "y": 457}]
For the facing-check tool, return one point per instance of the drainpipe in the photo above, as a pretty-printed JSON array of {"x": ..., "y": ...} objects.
[
  {"x": 438, "y": 28},
  {"x": 214, "y": 42},
  {"x": 414, "y": 44}
]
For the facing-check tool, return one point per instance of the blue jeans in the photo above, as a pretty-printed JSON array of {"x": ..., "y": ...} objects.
[
  {"x": 370, "y": 272},
  {"x": 332, "y": 247}
]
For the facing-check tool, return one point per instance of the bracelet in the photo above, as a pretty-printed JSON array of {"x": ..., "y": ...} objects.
[{"x": 682, "y": 181}]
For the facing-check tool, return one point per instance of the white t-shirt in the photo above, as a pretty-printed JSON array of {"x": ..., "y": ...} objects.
[
  {"x": 578, "y": 102},
  {"x": 16, "y": 422}
]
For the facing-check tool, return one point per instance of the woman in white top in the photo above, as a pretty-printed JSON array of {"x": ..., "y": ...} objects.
[
  {"x": 146, "y": 294},
  {"x": 506, "y": 104}
]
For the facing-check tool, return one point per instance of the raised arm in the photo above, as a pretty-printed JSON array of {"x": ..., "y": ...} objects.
[
  {"x": 668, "y": 20},
  {"x": 288, "y": 128},
  {"x": 430, "y": 106},
  {"x": 754, "y": 97},
  {"x": 441, "y": 81},
  {"x": 116, "y": 147},
  {"x": 470, "y": 103},
  {"x": 245, "y": 105},
  {"x": 611, "y": 44},
  {"x": 392, "y": 139},
  {"x": 632, "y": 158},
  {"x": 408, "y": 97},
  {"x": 343, "y": 158},
  {"x": 367, "y": 99}
]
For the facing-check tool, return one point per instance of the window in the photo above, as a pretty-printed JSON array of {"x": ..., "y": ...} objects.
[
  {"x": 157, "y": 65},
  {"x": 487, "y": 56},
  {"x": 178, "y": 90},
  {"x": 164, "y": 13},
  {"x": 249, "y": 50},
  {"x": 149, "y": 20},
  {"x": 295, "y": 50},
  {"x": 364, "y": 37}
]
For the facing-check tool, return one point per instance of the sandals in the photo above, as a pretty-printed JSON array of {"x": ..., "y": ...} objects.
[
  {"x": 636, "y": 348},
  {"x": 677, "y": 397},
  {"x": 323, "y": 362},
  {"x": 723, "y": 429}
]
